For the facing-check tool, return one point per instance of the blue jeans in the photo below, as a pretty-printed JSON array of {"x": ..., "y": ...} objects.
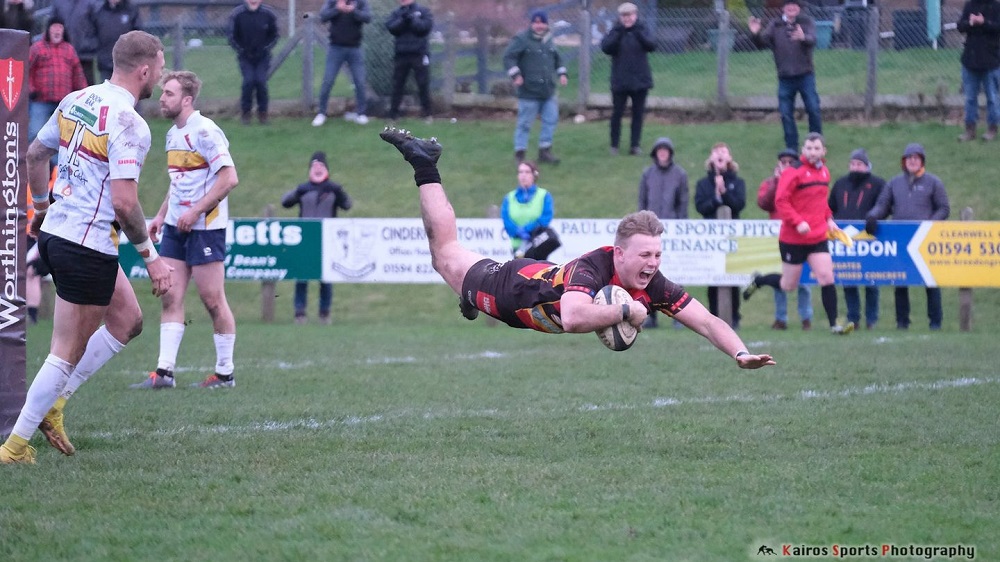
[
  {"x": 805, "y": 304},
  {"x": 852, "y": 298},
  {"x": 805, "y": 86},
  {"x": 527, "y": 110},
  {"x": 972, "y": 82},
  {"x": 325, "y": 297},
  {"x": 254, "y": 80},
  {"x": 336, "y": 56},
  {"x": 39, "y": 113}
]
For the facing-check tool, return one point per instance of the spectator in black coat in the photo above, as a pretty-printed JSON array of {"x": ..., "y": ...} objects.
[
  {"x": 110, "y": 20},
  {"x": 76, "y": 15},
  {"x": 15, "y": 15},
  {"x": 319, "y": 198},
  {"x": 252, "y": 33},
  {"x": 629, "y": 43},
  {"x": 411, "y": 24},
  {"x": 721, "y": 186}
]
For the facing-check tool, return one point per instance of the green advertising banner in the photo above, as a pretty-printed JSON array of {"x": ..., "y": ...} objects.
[{"x": 258, "y": 250}]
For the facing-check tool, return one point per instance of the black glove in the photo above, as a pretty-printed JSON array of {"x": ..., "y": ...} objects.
[{"x": 871, "y": 225}]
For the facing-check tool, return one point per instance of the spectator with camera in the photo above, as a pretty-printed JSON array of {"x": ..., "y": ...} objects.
[
  {"x": 346, "y": 19},
  {"x": 791, "y": 39},
  {"x": 411, "y": 24}
]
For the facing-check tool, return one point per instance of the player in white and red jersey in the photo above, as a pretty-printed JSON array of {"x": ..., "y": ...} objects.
[
  {"x": 102, "y": 143},
  {"x": 192, "y": 224}
]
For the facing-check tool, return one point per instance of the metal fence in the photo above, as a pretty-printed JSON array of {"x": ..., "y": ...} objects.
[{"x": 865, "y": 58}]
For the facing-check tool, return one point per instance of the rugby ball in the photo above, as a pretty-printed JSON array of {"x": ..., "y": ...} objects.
[{"x": 621, "y": 336}]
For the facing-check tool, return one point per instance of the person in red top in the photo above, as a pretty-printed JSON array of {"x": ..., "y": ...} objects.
[
  {"x": 543, "y": 296},
  {"x": 53, "y": 72},
  {"x": 806, "y": 225}
]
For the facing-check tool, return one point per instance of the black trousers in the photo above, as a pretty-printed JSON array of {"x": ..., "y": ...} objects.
[
  {"x": 402, "y": 65},
  {"x": 618, "y": 100}
]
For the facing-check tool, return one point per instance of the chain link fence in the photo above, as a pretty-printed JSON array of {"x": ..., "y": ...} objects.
[{"x": 865, "y": 57}]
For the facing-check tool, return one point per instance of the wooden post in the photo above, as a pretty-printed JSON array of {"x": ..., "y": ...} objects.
[
  {"x": 308, "y": 36},
  {"x": 965, "y": 293},
  {"x": 178, "y": 38},
  {"x": 268, "y": 289},
  {"x": 722, "y": 56},
  {"x": 583, "y": 81},
  {"x": 448, "y": 64},
  {"x": 492, "y": 212},
  {"x": 871, "y": 84},
  {"x": 725, "y": 294}
]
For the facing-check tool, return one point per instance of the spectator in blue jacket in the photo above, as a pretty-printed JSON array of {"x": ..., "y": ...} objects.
[
  {"x": 526, "y": 209},
  {"x": 411, "y": 24},
  {"x": 319, "y": 198},
  {"x": 252, "y": 33},
  {"x": 629, "y": 43},
  {"x": 346, "y": 19}
]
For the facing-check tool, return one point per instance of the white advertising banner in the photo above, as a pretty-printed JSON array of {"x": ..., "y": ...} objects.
[{"x": 695, "y": 252}]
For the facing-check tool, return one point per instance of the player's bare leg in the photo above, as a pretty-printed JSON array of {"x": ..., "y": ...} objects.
[{"x": 448, "y": 256}]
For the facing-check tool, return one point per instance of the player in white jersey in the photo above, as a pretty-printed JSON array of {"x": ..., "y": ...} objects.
[
  {"x": 192, "y": 226},
  {"x": 102, "y": 143}
]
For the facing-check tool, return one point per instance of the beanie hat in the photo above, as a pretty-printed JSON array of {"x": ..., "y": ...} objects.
[
  {"x": 628, "y": 8},
  {"x": 861, "y": 156},
  {"x": 915, "y": 148},
  {"x": 318, "y": 156},
  {"x": 539, "y": 16},
  {"x": 788, "y": 153}
]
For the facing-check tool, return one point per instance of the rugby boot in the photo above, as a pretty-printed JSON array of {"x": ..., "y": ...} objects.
[
  {"x": 7, "y": 456},
  {"x": 53, "y": 430},
  {"x": 417, "y": 151},
  {"x": 216, "y": 381}
]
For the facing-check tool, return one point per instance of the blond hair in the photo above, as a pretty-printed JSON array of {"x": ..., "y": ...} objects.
[
  {"x": 189, "y": 81},
  {"x": 640, "y": 222},
  {"x": 732, "y": 166},
  {"x": 135, "y": 49}
]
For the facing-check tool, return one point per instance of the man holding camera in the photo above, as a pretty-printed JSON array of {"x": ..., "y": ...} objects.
[
  {"x": 411, "y": 24},
  {"x": 792, "y": 38}
]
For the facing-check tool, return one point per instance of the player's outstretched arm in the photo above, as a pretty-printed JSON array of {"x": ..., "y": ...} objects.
[{"x": 696, "y": 317}]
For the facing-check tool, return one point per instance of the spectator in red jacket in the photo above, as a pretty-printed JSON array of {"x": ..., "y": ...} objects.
[
  {"x": 53, "y": 72},
  {"x": 806, "y": 225}
]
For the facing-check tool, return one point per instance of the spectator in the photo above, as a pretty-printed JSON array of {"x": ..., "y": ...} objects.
[
  {"x": 663, "y": 189},
  {"x": 806, "y": 225},
  {"x": 110, "y": 20},
  {"x": 319, "y": 198},
  {"x": 765, "y": 200},
  {"x": 980, "y": 22},
  {"x": 629, "y": 43},
  {"x": 346, "y": 18},
  {"x": 914, "y": 195},
  {"x": 791, "y": 39},
  {"x": 525, "y": 210},
  {"x": 53, "y": 72},
  {"x": 411, "y": 24},
  {"x": 253, "y": 32},
  {"x": 851, "y": 198},
  {"x": 14, "y": 14},
  {"x": 533, "y": 62},
  {"x": 75, "y": 14},
  {"x": 721, "y": 186}
]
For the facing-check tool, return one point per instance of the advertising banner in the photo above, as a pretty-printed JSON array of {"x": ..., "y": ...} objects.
[
  {"x": 13, "y": 188},
  {"x": 695, "y": 252}
]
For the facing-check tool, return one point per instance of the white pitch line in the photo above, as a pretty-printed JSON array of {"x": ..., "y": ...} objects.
[{"x": 312, "y": 424}]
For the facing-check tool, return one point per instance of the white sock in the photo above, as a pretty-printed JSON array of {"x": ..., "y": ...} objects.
[
  {"x": 224, "y": 344},
  {"x": 101, "y": 347},
  {"x": 171, "y": 334},
  {"x": 42, "y": 394}
]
